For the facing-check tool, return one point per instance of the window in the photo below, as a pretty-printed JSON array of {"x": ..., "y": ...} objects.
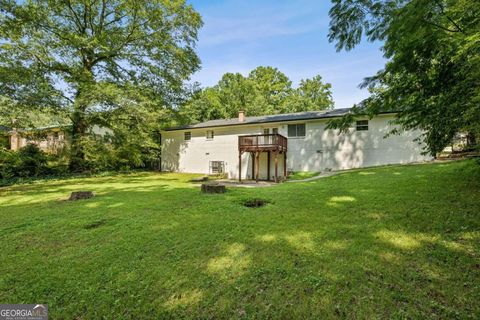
[
  {"x": 296, "y": 130},
  {"x": 275, "y": 130},
  {"x": 362, "y": 125},
  {"x": 266, "y": 131},
  {"x": 187, "y": 136},
  {"x": 217, "y": 167},
  {"x": 209, "y": 134}
]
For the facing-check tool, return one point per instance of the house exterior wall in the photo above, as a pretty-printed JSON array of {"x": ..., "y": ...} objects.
[
  {"x": 48, "y": 140},
  {"x": 321, "y": 149}
]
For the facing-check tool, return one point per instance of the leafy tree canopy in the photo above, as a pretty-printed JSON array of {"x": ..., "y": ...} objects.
[
  {"x": 432, "y": 77},
  {"x": 266, "y": 90},
  {"x": 96, "y": 56}
]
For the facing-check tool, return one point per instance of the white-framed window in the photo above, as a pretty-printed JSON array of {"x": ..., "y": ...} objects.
[
  {"x": 362, "y": 125},
  {"x": 266, "y": 131},
  {"x": 275, "y": 130},
  {"x": 187, "y": 136},
  {"x": 296, "y": 130},
  {"x": 210, "y": 135}
]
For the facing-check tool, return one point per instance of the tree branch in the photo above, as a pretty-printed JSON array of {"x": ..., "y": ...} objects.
[
  {"x": 76, "y": 18},
  {"x": 441, "y": 27},
  {"x": 442, "y": 9}
]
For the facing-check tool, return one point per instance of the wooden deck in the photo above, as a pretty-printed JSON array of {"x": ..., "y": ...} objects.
[
  {"x": 262, "y": 143},
  {"x": 273, "y": 144}
]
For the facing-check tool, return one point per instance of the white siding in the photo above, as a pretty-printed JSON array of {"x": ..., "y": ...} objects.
[{"x": 319, "y": 150}]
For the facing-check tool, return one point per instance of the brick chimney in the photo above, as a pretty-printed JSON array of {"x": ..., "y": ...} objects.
[{"x": 241, "y": 116}]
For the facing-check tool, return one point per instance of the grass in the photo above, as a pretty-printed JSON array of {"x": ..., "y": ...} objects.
[
  {"x": 300, "y": 175},
  {"x": 393, "y": 242}
]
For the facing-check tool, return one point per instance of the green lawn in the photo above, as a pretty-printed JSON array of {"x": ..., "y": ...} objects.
[
  {"x": 302, "y": 175},
  {"x": 393, "y": 242}
]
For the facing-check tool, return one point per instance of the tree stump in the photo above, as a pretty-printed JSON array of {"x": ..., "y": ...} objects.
[
  {"x": 79, "y": 195},
  {"x": 213, "y": 188},
  {"x": 200, "y": 179}
]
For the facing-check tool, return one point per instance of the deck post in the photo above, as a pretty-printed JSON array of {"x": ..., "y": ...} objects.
[
  {"x": 257, "y": 165},
  {"x": 240, "y": 166},
  {"x": 276, "y": 166},
  {"x": 268, "y": 165},
  {"x": 252, "y": 155},
  {"x": 284, "y": 164}
]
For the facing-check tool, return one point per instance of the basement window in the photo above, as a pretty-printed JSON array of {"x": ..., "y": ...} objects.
[
  {"x": 362, "y": 125},
  {"x": 296, "y": 130},
  {"x": 187, "y": 136},
  {"x": 210, "y": 135}
]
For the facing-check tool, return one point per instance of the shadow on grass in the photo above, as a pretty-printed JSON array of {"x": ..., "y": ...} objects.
[{"x": 351, "y": 246}]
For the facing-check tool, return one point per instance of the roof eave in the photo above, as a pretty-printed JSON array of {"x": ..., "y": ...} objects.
[{"x": 260, "y": 122}]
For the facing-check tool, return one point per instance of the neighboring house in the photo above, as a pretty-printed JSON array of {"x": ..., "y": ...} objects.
[
  {"x": 268, "y": 147},
  {"x": 49, "y": 139}
]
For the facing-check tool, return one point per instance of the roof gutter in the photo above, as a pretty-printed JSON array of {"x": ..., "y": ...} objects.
[{"x": 260, "y": 122}]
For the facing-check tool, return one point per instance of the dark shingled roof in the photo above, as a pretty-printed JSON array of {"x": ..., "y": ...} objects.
[{"x": 307, "y": 115}]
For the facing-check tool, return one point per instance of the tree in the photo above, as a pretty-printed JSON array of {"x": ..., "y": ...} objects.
[
  {"x": 265, "y": 91},
  {"x": 312, "y": 94},
  {"x": 272, "y": 87},
  {"x": 235, "y": 93},
  {"x": 90, "y": 56},
  {"x": 204, "y": 105},
  {"x": 432, "y": 76}
]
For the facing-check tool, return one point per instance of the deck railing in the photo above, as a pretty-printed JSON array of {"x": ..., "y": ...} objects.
[{"x": 258, "y": 142}]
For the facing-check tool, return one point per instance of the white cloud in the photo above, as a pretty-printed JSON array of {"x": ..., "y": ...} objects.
[
  {"x": 248, "y": 25},
  {"x": 239, "y": 36}
]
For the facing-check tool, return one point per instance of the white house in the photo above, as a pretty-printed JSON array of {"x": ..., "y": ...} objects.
[{"x": 259, "y": 147}]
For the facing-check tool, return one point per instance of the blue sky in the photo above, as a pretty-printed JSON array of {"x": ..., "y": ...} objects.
[{"x": 239, "y": 35}]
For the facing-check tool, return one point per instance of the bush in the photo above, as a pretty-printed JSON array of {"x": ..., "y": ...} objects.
[
  {"x": 33, "y": 161},
  {"x": 28, "y": 162},
  {"x": 9, "y": 162},
  {"x": 119, "y": 153}
]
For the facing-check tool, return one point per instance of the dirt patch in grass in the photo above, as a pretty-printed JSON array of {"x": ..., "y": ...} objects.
[
  {"x": 95, "y": 224},
  {"x": 255, "y": 202}
]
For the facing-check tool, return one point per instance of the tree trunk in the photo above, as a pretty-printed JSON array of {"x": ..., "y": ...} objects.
[
  {"x": 79, "y": 120},
  {"x": 471, "y": 140},
  {"x": 79, "y": 129}
]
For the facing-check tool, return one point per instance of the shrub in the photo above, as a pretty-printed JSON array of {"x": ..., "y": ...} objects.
[
  {"x": 9, "y": 162},
  {"x": 29, "y": 161},
  {"x": 33, "y": 161}
]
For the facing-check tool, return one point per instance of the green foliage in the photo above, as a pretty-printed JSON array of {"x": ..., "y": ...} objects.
[
  {"x": 29, "y": 161},
  {"x": 432, "y": 76},
  {"x": 33, "y": 161},
  {"x": 9, "y": 161},
  {"x": 397, "y": 242},
  {"x": 271, "y": 88},
  {"x": 311, "y": 95},
  {"x": 265, "y": 91},
  {"x": 4, "y": 140},
  {"x": 91, "y": 57}
]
